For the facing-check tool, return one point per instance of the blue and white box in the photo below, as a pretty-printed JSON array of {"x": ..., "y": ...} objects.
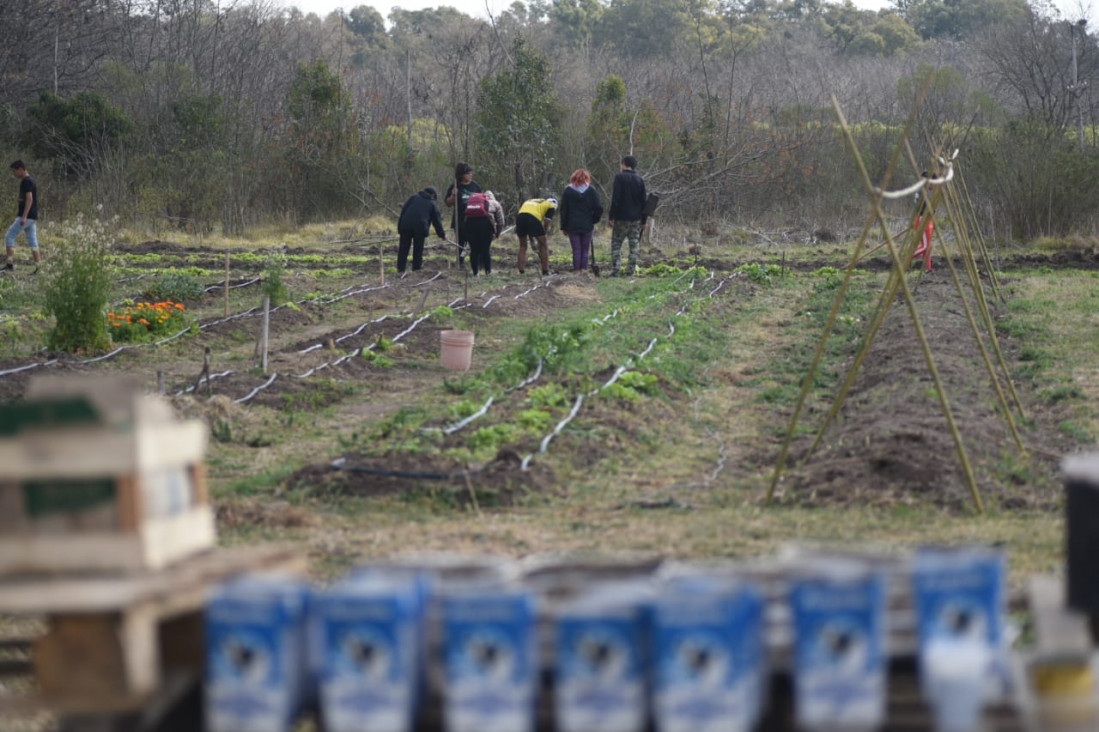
[
  {"x": 601, "y": 659},
  {"x": 959, "y": 594},
  {"x": 490, "y": 665},
  {"x": 709, "y": 655},
  {"x": 839, "y": 649},
  {"x": 256, "y": 663},
  {"x": 369, "y": 629}
]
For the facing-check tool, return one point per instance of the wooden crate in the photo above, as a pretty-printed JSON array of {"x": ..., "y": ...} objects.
[
  {"x": 99, "y": 476},
  {"x": 118, "y": 643}
]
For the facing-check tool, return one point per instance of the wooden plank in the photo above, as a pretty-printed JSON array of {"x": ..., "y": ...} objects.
[
  {"x": 51, "y": 553},
  {"x": 72, "y": 453},
  {"x": 201, "y": 489},
  {"x": 180, "y": 586},
  {"x": 171, "y": 538},
  {"x": 157, "y": 543},
  {"x": 131, "y": 507},
  {"x": 171, "y": 445}
]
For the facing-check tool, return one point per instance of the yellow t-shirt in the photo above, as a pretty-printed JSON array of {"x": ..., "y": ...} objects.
[{"x": 539, "y": 208}]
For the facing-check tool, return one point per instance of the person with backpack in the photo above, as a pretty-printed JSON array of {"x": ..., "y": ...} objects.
[
  {"x": 456, "y": 197},
  {"x": 480, "y": 229},
  {"x": 627, "y": 214},
  {"x": 534, "y": 218},
  {"x": 418, "y": 215},
  {"x": 581, "y": 210}
]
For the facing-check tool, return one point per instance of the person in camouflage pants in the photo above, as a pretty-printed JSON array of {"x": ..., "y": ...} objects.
[
  {"x": 626, "y": 215},
  {"x": 630, "y": 232}
]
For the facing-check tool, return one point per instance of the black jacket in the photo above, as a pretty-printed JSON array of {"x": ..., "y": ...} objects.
[
  {"x": 628, "y": 198},
  {"x": 419, "y": 213},
  {"x": 580, "y": 212}
]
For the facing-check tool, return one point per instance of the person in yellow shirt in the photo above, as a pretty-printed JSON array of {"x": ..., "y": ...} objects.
[{"x": 535, "y": 217}]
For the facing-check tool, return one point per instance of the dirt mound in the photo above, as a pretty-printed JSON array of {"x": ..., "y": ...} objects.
[
  {"x": 500, "y": 482},
  {"x": 891, "y": 443},
  {"x": 237, "y": 513},
  {"x": 153, "y": 247}
]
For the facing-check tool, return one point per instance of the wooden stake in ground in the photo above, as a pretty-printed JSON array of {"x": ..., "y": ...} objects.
[
  {"x": 205, "y": 373},
  {"x": 381, "y": 263},
  {"x": 227, "y": 284},
  {"x": 266, "y": 331}
]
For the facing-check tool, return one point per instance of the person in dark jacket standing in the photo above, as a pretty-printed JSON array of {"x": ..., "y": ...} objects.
[
  {"x": 418, "y": 215},
  {"x": 627, "y": 214},
  {"x": 580, "y": 211}
]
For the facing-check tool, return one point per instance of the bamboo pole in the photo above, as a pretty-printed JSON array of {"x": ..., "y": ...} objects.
[
  {"x": 951, "y": 204},
  {"x": 814, "y": 365},
  {"x": 944, "y": 401},
  {"x": 984, "y": 352}
]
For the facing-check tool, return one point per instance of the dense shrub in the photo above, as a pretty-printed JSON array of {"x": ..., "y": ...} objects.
[{"x": 77, "y": 278}]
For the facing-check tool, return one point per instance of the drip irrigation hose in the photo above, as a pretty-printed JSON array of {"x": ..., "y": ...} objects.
[
  {"x": 257, "y": 390},
  {"x": 209, "y": 378},
  {"x": 28, "y": 367},
  {"x": 221, "y": 285}
]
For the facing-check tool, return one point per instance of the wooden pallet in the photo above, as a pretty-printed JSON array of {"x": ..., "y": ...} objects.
[{"x": 115, "y": 643}]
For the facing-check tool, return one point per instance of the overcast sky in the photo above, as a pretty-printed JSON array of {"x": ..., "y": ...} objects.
[{"x": 1069, "y": 8}]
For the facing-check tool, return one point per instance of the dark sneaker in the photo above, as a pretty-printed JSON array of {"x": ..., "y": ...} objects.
[
  {"x": 35, "y": 271},
  {"x": 9, "y": 267}
]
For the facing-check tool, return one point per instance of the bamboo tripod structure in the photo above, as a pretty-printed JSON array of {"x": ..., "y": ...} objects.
[{"x": 958, "y": 211}]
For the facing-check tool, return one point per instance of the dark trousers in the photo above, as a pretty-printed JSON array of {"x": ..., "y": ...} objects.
[
  {"x": 581, "y": 245},
  {"x": 415, "y": 241},
  {"x": 479, "y": 232}
]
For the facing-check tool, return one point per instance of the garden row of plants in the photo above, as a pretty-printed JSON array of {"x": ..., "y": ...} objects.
[{"x": 573, "y": 357}]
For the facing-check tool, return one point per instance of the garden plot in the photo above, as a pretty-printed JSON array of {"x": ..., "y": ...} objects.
[{"x": 685, "y": 397}]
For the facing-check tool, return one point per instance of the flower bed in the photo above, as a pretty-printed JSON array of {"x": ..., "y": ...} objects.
[{"x": 147, "y": 320}]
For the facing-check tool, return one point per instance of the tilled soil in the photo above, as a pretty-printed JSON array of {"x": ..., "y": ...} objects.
[{"x": 891, "y": 442}]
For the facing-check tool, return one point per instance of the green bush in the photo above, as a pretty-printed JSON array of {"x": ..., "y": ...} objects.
[
  {"x": 76, "y": 286},
  {"x": 176, "y": 286}
]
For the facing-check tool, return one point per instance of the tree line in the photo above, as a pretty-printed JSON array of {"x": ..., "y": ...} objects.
[{"x": 225, "y": 114}]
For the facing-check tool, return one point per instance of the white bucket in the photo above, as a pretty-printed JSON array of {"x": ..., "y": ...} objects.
[{"x": 457, "y": 349}]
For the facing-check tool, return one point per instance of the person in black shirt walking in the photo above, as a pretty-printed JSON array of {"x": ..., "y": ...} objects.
[{"x": 26, "y": 218}]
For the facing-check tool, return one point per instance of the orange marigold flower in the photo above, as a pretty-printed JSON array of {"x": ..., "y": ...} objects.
[{"x": 179, "y": 306}]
